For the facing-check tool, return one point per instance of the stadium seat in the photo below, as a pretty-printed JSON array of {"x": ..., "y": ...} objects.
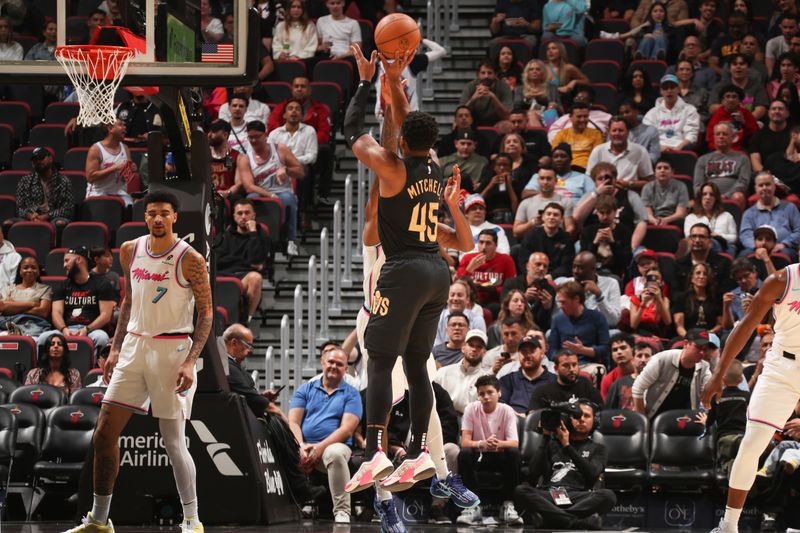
[
  {"x": 77, "y": 31},
  {"x": 54, "y": 281},
  {"x": 532, "y": 443},
  {"x": 221, "y": 317},
  {"x": 130, "y": 231},
  {"x": 28, "y": 446},
  {"x": 116, "y": 266},
  {"x": 81, "y": 353},
  {"x": 274, "y": 92},
  {"x": 8, "y": 440},
  {"x": 77, "y": 179},
  {"x": 84, "y": 234},
  {"x": 61, "y": 112},
  {"x": 610, "y": 49},
  {"x": 9, "y": 180},
  {"x": 34, "y": 234},
  {"x": 90, "y": 377},
  {"x": 54, "y": 262},
  {"x": 33, "y": 95},
  {"x": 613, "y": 25},
  {"x": 269, "y": 211},
  {"x": 8, "y": 207},
  {"x": 107, "y": 209},
  {"x": 26, "y": 252},
  {"x": 45, "y": 397},
  {"x": 229, "y": 293},
  {"x": 75, "y": 158},
  {"x": 287, "y": 70},
  {"x": 683, "y": 162},
  {"x": 18, "y": 115},
  {"x": 655, "y": 68},
  {"x": 7, "y": 384},
  {"x": 680, "y": 459},
  {"x": 625, "y": 436},
  {"x": 331, "y": 95},
  {"x": 337, "y": 71},
  {"x": 492, "y": 137},
  {"x": 88, "y": 395},
  {"x": 52, "y": 136},
  {"x": 663, "y": 238},
  {"x": 523, "y": 51},
  {"x": 7, "y": 144},
  {"x": 602, "y": 71},
  {"x": 605, "y": 94},
  {"x": 732, "y": 207},
  {"x": 688, "y": 181},
  {"x": 21, "y": 158}
]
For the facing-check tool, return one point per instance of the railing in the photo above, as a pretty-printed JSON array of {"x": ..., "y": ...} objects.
[
  {"x": 347, "y": 274},
  {"x": 269, "y": 368},
  {"x": 336, "y": 303},
  {"x": 324, "y": 265},
  {"x": 297, "y": 349},
  {"x": 284, "y": 363},
  {"x": 312, "y": 312}
]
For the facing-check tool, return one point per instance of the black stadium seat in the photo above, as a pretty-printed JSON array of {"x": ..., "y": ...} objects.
[
  {"x": 54, "y": 262},
  {"x": 28, "y": 446},
  {"x": 338, "y": 71},
  {"x": 274, "y": 92},
  {"x": 625, "y": 436},
  {"x": 680, "y": 459},
  {"x": 610, "y": 49},
  {"x": 18, "y": 354},
  {"x": 269, "y": 211},
  {"x": 45, "y": 397},
  {"x": 367, "y": 36},
  {"x": 21, "y": 158},
  {"x": 655, "y": 68},
  {"x": 130, "y": 231},
  {"x": 664, "y": 238},
  {"x": 33, "y": 234},
  {"x": 523, "y": 51},
  {"x": 602, "y": 71},
  {"x": 51, "y": 136},
  {"x": 84, "y": 234},
  {"x": 61, "y": 112},
  {"x": 683, "y": 162},
  {"x": 18, "y": 115},
  {"x": 9, "y": 179},
  {"x": 8, "y": 441},
  {"x": 75, "y": 158},
  {"x": 7, "y": 386},
  {"x": 88, "y": 395},
  {"x": 81, "y": 353},
  {"x": 7, "y": 143},
  {"x": 287, "y": 70},
  {"x": 229, "y": 293},
  {"x": 8, "y": 207},
  {"x": 77, "y": 179},
  {"x": 107, "y": 209},
  {"x": 331, "y": 95}
]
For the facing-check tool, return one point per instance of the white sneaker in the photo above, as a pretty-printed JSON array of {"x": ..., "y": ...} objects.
[
  {"x": 291, "y": 248},
  {"x": 187, "y": 527},
  {"x": 89, "y": 525},
  {"x": 341, "y": 518},
  {"x": 509, "y": 515},
  {"x": 724, "y": 527},
  {"x": 470, "y": 516},
  {"x": 609, "y": 35}
]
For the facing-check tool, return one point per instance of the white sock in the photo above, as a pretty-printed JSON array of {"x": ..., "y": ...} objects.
[
  {"x": 100, "y": 507},
  {"x": 190, "y": 512},
  {"x": 173, "y": 431},
  {"x": 383, "y": 494},
  {"x": 732, "y": 516}
]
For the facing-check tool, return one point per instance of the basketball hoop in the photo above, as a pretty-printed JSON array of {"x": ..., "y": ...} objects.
[{"x": 96, "y": 72}]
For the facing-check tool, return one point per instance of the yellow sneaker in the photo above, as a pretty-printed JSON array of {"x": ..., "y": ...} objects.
[
  {"x": 186, "y": 527},
  {"x": 89, "y": 525}
]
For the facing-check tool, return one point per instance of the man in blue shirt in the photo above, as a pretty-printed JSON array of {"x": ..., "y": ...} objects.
[
  {"x": 783, "y": 216},
  {"x": 517, "y": 387},
  {"x": 578, "y": 329},
  {"x": 323, "y": 416}
]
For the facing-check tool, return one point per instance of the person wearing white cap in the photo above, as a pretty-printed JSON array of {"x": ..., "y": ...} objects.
[
  {"x": 677, "y": 122},
  {"x": 459, "y": 379},
  {"x": 475, "y": 211},
  {"x": 770, "y": 212}
]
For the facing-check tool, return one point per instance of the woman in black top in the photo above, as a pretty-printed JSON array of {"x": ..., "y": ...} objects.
[
  {"x": 497, "y": 189},
  {"x": 507, "y": 67},
  {"x": 699, "y": 306}
]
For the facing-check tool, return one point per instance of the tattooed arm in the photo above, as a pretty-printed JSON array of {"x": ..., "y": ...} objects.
[
  {"x": 125, "y": 253},
  {"x": 194, "y": 270}
]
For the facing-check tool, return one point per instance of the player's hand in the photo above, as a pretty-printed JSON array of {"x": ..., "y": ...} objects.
[
  {"x": 398, "y": 63},
  {"x": 111, "y": 363},
  {"x": 713, "y": 391},
  {"x": 185, "y": 378},
  {"x": 452, "y": 192},
  {"x": 366, "y": 69}
]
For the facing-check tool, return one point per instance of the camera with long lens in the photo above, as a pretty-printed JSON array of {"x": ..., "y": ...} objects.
[{"x": 556, "y": 412}]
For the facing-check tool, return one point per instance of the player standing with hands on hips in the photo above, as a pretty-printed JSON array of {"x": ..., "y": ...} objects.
[
  {"x": 152, "y": 358},
  {"x": 414, "y": 281},
  {"x": 778, "y": 388}
]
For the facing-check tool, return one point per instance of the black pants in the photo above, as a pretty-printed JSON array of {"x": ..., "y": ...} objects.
[
  {"x": 528, "y": 500},
  {"x": 506, "y": 461}
]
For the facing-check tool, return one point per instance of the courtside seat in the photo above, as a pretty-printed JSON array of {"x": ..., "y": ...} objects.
[
  {"x": 45, "y": 397},
  {"x": 531, "y": 444},
  {"x": 679, "y": 458},
  {"x": 8, "y": 441},
  {"x": 625, "y": 436},
  {"x": 81, "y": 353},
  {"x": 28, "y": 446},
  {"x": 88, "y": 396},
  {"x": 7, "y": 384}
]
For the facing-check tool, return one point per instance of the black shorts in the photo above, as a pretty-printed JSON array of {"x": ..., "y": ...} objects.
[{"x": 410, "y": 294}]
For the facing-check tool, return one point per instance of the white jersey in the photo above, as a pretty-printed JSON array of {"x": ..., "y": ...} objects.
[
  {"x": 264, "y": 173},
  {"x": 787, "y": 313},
  {"x": 162, "y": 301},
  {"x": 373, "y": 262},
  {"x": 113, "y": 184}
]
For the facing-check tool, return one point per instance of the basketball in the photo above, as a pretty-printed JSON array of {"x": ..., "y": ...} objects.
[{"x": 397, "y": 33}]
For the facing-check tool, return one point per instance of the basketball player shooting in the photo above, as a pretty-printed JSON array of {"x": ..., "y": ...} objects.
[
  {"x": 152, "y": 359},
  {"x": 778, "y": 387},
  {"x": 414, "y": 281}
]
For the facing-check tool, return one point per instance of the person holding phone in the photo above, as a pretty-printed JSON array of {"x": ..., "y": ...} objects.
[{"x": 650, "y": 311}]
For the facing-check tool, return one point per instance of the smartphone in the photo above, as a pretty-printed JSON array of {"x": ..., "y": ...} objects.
[
  {"x": 505, "y": 355},
  {"x": 279, "y": 389},
  {"x": 541, "y": 283},
  {"x": 650, "y": 278}
]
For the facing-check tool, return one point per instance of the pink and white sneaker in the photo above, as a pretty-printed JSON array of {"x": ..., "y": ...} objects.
[
  {"x": 409, "y": 472},
  {"x": 373, "y": 470}
]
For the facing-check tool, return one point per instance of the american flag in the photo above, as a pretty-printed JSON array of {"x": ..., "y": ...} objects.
[{"x": 216, "y": 53}]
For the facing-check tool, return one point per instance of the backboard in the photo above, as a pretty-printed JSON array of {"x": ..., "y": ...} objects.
[{"x": 174, "y": 48}]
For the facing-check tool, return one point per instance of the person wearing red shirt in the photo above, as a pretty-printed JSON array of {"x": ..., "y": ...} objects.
[
  {"x": 732, "y": 110},
  {"x": 621, "y": 346},
  {"x": 489, "y": 269}
]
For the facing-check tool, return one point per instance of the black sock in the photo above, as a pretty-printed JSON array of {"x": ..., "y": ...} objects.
[
  {"x": 420, "y": 400},
  {"x": 379, "y": 398}
]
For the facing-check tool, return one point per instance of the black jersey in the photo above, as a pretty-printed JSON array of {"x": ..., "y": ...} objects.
[{"x": 407, "y": 222}]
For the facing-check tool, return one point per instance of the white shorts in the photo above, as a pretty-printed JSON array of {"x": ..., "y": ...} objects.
[
  {"x": 147, "y": 373},
  {"x": 777, "y": 390},
  {"x": 399, "y": 381}
]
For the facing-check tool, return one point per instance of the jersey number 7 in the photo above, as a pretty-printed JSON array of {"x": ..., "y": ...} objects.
[{"x": 424, "y": 220}]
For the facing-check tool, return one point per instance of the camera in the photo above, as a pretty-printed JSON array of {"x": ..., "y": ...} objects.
[{"x": 556, "y": 412}]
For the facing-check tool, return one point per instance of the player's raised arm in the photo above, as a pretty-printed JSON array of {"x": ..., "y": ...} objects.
[
  {"x": 771, "y": 291},
  {"x": 398, "y": 99},
  {"x": 459, "y": 238}
]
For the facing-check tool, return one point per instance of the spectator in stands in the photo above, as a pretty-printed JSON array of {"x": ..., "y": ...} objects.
[
  {"x": 488, "y": 268},
  {"x": 83, "y": 305},
  {"x": 568, "y": 386},
  {"x": 631, "y": 210},
  {"x": 735, "y": 303},
  {"x": 569, "y": 183},
  {"x": 516, "y": 388},
  {"x": 579, "y": 329},
  {"x": 733, "y": 112},
  {"x": 458, "y": 300},
  {"x": 751, "y": 47},
  {"x": 337, "y": 32},
  {"x": 569, "y": 463},
  {"x": 645, "y": 260},
  {"x": 514, "y": 19},
  {"x": 254, "y": 109},
  {"x": 512, "y": 329},
  {"x": 725, "y": 167},
  {"x": 771, "y": 139},
  {"x": 579, "y": 136},
  {"x": 634, "y": 168},
  {"x": 700, "y": 305},
  {"x": 666, "y": 199},
  {"x": 529, "y": 212},
  {"x": 781, "y": 215},
  {"x": 95, "y": 18},
  {"x": 45, "y": 195},
  {"x": 788, "y": 66},
  {"x": 210, "y": 26},
  {"x": 701, "y": 252},
  {"x": 794, "y": 45},
  {"x": 755, "y": 97},
  {"x": 621, "y": 349},
  {"x": 676, "y": 10},
  {"x": 689, "y": 91},
  {"x": 608, "y": 239},
  {"x": 674, "y": 379},
  {"x": 475, "y": 211},
  {"x": 140, "y": 117},
  {"x": 523, "y": 164},
  {"x": 507, "y": 66},
  {"x": 535, "y": 144},
  {"x": 54, "y": 367},
  {"x": 9, "y": 261},
  {"x": 766, "y": 237},
  {"x": 539, "y": 292},
  {"x": 514, "y": 306},
  {"x": 103, "y": 260},
  {"x": 459, "y": 379},
  {"x": 469, "y": 162},
  {"x": 638, "y": 90},
  {"x": 323, "y": 415},
  {"x": 25, "y": 306},
  {"x": 780, "y": 45},
  {"x": 564, "y": 19},
  {"x": 268, "y": 171},
  {"x": 488, "y": 98},
  {"x": 237, "y": 108},
  {"x": 677, "y": 122},
  {"x": 109, "y": 166},
  {"x": 601, "y": 292},
  {"x": 44, "y": 50},
  {"x": 496, "y": 188},
  {"x": 650, "y": 311},
  {"x": 489, "y": 441},
  {"x": 244, "y": 252},
  {"x": 561, "y": 74},
  {"x": 462, "y": 120},
  {"x": 295, "y": 37},
  {"x": 10, "y": 50},
  {"x": 551, "y": 239},
  {"x": 640, "y": 133},
  {"x": 451, "y": 351},
  {"x": 784, "y": 163},
  {"x": 726, "y": 46},
  {"x": 620, "y": 394},
  {"x": 535, "y": 93},
  {"x": 694, "y": 51},
  {"x": 224, "y": 161},
  {"x": 708, "y": 210}
]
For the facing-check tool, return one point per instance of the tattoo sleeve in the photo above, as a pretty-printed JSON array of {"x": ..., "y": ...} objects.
[
  {"x": 125, "y": 305},
  {"x": 196, "y": 274}
]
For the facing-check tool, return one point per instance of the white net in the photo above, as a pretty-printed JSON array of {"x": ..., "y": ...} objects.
[{"x": 96, "y": 73}]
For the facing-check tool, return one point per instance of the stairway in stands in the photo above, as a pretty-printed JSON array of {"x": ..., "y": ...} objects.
[{"x": 467, "y": 46}]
